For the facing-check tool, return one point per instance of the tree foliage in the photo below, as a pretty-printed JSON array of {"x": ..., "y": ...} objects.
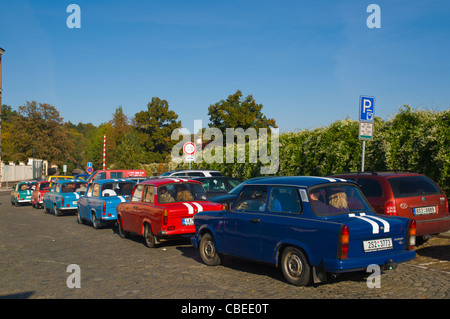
[
  {"x": 154, "y": 127},
  {"x": 236, "y": 112}
]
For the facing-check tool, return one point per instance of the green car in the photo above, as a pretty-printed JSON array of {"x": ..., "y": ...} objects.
[{"x": 21, "y": 193}]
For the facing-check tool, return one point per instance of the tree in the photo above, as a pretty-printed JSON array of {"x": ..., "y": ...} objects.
[
  {"x": 235, "y": 112},
  {"x": 36, "y": 131},
  {"x": 120, "y": 127},
  {"x": 155, "y": 127},
  {"x": 129, "y": 153}
]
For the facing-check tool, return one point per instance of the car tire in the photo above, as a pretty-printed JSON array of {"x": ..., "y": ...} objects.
[
  {"x": 95, "y": 222},
  {"x": 149, "y": 238},
  {"x": 122, "y": 232},
  {"x": 80, "y": 220},
  {"x": 295, "y": 267},
  {"x": 208, "y": 250},
  {"x": 56, "y": 211}
]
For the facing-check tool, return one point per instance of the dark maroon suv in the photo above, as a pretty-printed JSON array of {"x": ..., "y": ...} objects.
[{"x": 406, "y": 194}]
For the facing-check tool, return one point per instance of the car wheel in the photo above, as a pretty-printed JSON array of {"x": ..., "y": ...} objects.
[
  {"x": 80, "y": 220},
  {"x": 122, "y": 232},
  {"x": 148, "y": 236},
  {"x": 208, "y": 250},
  {"x": 56, "y": 211},
  {"x": 95, "y": 222},
  {"x": 295, "y": 267}
]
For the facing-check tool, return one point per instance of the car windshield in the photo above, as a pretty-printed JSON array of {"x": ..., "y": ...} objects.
[
  {"x": 117, "y": 189},
  {"x": 181, "y": 192},
  {"x": 408, "y": 186},
  {"x": 337, "y": 199},
  {"x": 72, "y": 187}
]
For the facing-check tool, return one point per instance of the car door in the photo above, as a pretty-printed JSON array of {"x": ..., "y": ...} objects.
[
  {"x": 242, "y": 226},
  {"x": 84, "y": 202},
  {"x": 130, "y": 212}
]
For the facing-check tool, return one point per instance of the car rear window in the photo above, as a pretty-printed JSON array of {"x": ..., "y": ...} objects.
[
  {"x": 337, "y": 199},
  {"x": 72, "y": 187},
  {"x": 409, "y": 186}
]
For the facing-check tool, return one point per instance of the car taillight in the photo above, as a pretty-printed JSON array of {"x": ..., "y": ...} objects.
[
  {"x": 411, "y": 238},
  {"x": 390, "y": 208},
  {"x": 344, "y": 237},
  {"x": 165, "y": 217},
  {"x": 62, "y": 201},
  {"x": 104, "y": 206}
]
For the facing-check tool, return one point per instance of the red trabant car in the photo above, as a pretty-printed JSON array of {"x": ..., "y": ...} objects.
[
  {"x": 41, "y": 188},
  {"x": 161, "y": 209}
]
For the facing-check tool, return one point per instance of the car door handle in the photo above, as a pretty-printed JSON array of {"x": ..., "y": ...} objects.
[{"x": 255, "y": 220}]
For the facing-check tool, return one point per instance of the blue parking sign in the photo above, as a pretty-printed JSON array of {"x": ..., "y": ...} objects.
[{"x": 366, "y": 108}]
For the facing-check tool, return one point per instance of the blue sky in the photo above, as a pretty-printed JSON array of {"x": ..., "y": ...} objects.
[{"x": 307, "y": 62}]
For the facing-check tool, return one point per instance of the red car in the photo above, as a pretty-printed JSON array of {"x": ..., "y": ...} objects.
[
  {"x": 162, "y": 209},
  {"x": 41, "y": 188},
  {"x": 408, "y": 195}
]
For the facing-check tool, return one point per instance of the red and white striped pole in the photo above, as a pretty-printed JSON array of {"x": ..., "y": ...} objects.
[{"x": 104, "y": 151}]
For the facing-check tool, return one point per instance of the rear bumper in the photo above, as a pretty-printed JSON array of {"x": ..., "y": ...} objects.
[
  {"x": 432, "y": 226},
  {"x": 356, "y": 264}
]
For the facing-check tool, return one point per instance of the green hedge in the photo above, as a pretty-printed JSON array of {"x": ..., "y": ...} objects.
[{"x": 413, "y": 140}]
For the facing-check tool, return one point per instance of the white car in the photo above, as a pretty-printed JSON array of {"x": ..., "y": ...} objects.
[{"x": 192, "y": 173}]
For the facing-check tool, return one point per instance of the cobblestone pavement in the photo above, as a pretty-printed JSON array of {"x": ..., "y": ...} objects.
[{"x": 36, "y": 249}]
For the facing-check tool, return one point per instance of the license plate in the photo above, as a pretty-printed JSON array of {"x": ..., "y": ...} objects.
[
  {"x": 377, "y": 244},
  {"x": 188, "y": 221},
  {"x": 74, "y": 202},
  {"x": 424, "y": 210}
]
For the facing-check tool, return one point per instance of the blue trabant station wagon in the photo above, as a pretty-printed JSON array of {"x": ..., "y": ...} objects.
[
  {"x": 98, "y": 205},
  {"x": 63, "y": 196},
  {"x": 307, "y": 226}
]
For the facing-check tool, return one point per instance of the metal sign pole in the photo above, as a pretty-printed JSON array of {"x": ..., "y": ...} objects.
[{"x": 363, "y": 151}]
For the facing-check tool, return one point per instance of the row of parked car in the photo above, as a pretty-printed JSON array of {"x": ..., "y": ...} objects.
[{"x": 307, "y": 226}]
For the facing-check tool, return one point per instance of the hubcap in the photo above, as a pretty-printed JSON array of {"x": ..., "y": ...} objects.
[
  {"x": 209, "y": 250},
  {"x": 294, "y": 265}
]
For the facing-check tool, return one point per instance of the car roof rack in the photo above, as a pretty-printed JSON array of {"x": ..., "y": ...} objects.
[{"x": 373, "y": 172}]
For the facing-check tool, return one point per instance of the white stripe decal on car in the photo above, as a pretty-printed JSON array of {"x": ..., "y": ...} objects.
[
  {"x": 375, "y": 227},
  {"x": 384, "y": 222},
  {"x": 200, "y": 207},
  {"x": 190, "y": 208}
]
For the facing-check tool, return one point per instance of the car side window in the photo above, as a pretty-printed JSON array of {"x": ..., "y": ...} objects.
[
  {"x": 89, "y": 190},
  {"x": 137, "y": 194},
  {"x": 370, "y": 187},
  {"x": 253, "y": 198},
  {"x": 96, "y": 191},
  {"x": 149, "y": 195},
  {"x": 116, "y": 175},
  {"x": 284, "y": 199}
]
